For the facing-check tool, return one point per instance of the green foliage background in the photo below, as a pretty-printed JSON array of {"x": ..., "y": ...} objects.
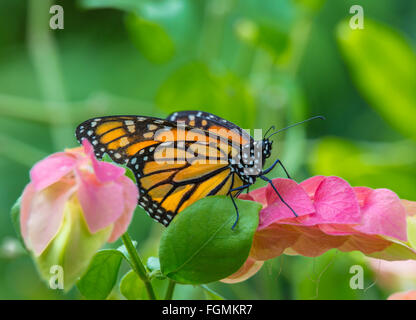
[{"x": 256, "y": 63}]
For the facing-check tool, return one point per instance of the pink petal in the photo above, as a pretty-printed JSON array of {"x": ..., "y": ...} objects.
[
  {"x": 335, "y": 203},
  {"x": 392, "y": 270},
  {"x": 131, "y": 194},
  {"x": 102, "y": 203},
  {"x": 310, "y": 185},
  {"x": 337, "y": 229},
  {"x": 49, "y": 170},
  {"x": 104, "y": 171},
  {"x": 246, "y": 196},
  {"x": 410, "y": 207},
  {"x": 294, "y": 196},
  {"x": 362, "y": 193},
  {"x": 384, "y": 214},
  {"x": 405, "y": 295},
  {"x": 42, "y": 213},
  {"x": 258, "y": 195}
]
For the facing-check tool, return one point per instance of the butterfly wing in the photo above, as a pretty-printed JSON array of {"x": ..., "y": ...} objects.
[
  {"x": 212, "y": 123},
  {"x": 121, "y": 137},
  {"x": 167, "y": 188},
  {"x": 170, "y": 167}
]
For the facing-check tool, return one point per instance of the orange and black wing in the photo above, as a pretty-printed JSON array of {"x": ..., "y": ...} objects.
[
  {"x": 122, "y": 137},
  {"x": 168, "y": 187},
  {"x": 212, "y": 123},
  {"x": 174, "y": 165}
]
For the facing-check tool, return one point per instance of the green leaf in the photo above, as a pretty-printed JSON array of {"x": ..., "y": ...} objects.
[
  {"x": 211, "y": 294},
  {"x": 195, "y": 86},
  {"x": 383, "y": 66},
  {"x": 199, "y": 245},
  {"x": 150, "y": 39},
  {"x": 132, "y": 287},
  {"x": 15, "y": 215},
  {"x": 411, "y": 231},
  {"x": 101, "y": 276}
]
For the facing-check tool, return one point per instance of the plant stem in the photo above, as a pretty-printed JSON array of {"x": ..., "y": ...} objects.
[
  {"x": 137, "y": 265},
  {"x": 169, "y": 291},
  {"x": 44, "y": 55}
]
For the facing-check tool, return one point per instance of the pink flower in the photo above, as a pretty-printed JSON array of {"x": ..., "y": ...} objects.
[
  {"x": 106, "y": 197},
  {"x": 405, "y": 295},
  {"x": 332, "y": 214},
  {"x": 394, "y": 275}
]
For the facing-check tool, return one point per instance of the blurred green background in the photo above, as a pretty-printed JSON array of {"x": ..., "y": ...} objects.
[{"x": 256, "y": 63}]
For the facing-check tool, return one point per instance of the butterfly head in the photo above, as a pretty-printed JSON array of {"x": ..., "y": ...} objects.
[{"x": 266, "y": 148}]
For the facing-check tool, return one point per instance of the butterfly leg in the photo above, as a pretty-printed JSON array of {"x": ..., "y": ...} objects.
[
  {"x": 239, "y": 190},
  {"x": 277, "y": 192},
  {"x": 273, "y": 165}
]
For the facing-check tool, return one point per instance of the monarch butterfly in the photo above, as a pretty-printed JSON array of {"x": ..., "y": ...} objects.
[{"x": 181, "y": 159}]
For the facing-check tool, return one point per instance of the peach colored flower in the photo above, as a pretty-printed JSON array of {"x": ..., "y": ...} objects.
[{"x": 332, "y": 214}]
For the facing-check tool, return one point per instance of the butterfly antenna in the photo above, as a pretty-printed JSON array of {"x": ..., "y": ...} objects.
[
  {"x": 293, "y": 125},
  {"x": 271, "y": 128}
]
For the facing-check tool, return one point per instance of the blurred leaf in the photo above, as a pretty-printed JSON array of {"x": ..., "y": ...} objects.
[
  {"x": 150, "y": 38},
  {"x": 382, "y": 165},
  {"x": 211, "y": 294},
  {"x": 195, "y": 87},
  {"x": 383, "y": 65},
  {"x": 262, "y": 35},
  {"x": 128, "y": 5},
  {"x": 199, "y": 245},
  {"x": 328, "y": 277},
  {"x": 175, "y": 16},
  {"x": 313, "y": 5},
  {"x": 101, "y": 276}
]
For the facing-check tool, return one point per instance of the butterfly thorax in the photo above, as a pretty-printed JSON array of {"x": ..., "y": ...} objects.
[{"x": 248, "y": 164}]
